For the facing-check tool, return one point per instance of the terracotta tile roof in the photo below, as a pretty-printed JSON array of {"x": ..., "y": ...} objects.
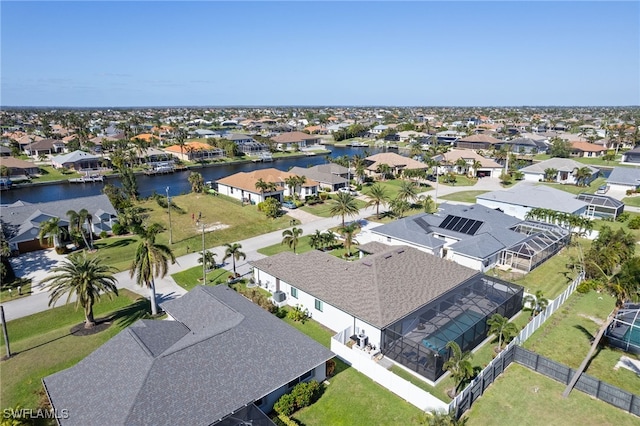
[
  {"x": 587, "y": 147},
  {"x": 147, "y": 137},
  {"x": 247, "y": 180},
  {"x": 196, "y": 146}
]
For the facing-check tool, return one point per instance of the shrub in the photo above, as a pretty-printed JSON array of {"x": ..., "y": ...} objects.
[
  {"x": 634, "y": 223},
  {"x": 103, "y": 234},
  {"x": 305, "y": 394},
  {"x": 330, "y": 367},
  {"x": 586, "y": 286},
  {"x": 298, "y": 314},
  {"x": 285, "y": 405},
  {"x": 324, "y": 196},
  {"x": 61, "y": 250},
  {"x": 623, "y": 217},
  {"x": 119, "y": 229}
]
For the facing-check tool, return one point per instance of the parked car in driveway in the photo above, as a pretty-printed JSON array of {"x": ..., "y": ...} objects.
[
  {"x": 603, "y": 189},
  {"x": 347, "y": 191},
  {"x": 290, "y": 205}
]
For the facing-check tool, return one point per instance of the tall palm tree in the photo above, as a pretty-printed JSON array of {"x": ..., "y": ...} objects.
[
  {"x": 233, "y": 251},
  {"x": 77, "y": 221},
  {"x": 377, "y": 195},
  {"x": 399, "y": 206},
  {"x": 181, "y": 137},
  {"x": 292, "y": 183},
  {"x": 52, "y": 230},
  {"x": 408, "y": 191},
  {"x": 459, "y": 365},
  {"x": 316, "y": 240},
  {"x": 535, "y": 304},
  {"x": 582, "y": 175},
  {"x": 209, "y": 259},
  {"x": 87, "y": 279},
  {"x": 291, "y": 237},
  {"x": 462, "y": 165},
  {"x": 427, "y": 203},
  {"x": 625, "y": 285},
  {"x": 501, "y": 327},
  {"x": 348, "y": 233},
  {"x": 476, "y": 166},
  {"x": 344, "y": 204},
  {"x": 151, "y": 260}
]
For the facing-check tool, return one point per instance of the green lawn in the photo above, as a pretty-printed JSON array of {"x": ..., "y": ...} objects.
[
  {"x": 302, "y": 247},
  {"x": 574, "y": 189},
  {"x": 523, "y": 397},
  {"x": 553, "y": 276},
  {"x": 392, "y": 187},
  {"x": 49, "y": 173},
  {"x": 572, "y": 326},
  {"x": 615, "y": 225},
  {"x": 461, "y": 180},
  {"x": 217, "y": 211},
  {"x": 189, "y": 278},
  {"x": 463, "y": 196},
  {"x": 42, "y": 345},
  {"x": 632, "y": 201},
  {"x": 324, "y": 209}
]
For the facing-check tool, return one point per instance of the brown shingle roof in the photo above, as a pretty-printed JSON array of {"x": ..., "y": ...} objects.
[
  {"x": 587, "y": 147},
  {"x": 247, "y": 180},
  {"x": 292, "y": 137},
  {"x": 481, "y": 138},
  {"x": 379, "y": 289},
  {"x": 394, "y": 160}
]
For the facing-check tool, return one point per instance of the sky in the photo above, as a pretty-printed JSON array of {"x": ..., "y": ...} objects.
[{"x": 419, "y": 53}]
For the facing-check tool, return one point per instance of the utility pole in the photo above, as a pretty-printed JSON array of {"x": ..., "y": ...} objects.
[
  {"x": 169, "y": 210},
  {"x": 4, "y": 331},
  {"x": 204, "y": 261}
]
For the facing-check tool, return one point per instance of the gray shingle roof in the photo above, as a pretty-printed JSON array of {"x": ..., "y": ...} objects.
[
  {"x": 540, "y": 196},
  {"x": 624, "y": 176},
  {"x": 560, "y": 164},
  {"x": 379, "y": 289},
  {"x": 319, "y": 175},
  {"x": 73, "y": 157},
  {"x": 222, "y": 354}
]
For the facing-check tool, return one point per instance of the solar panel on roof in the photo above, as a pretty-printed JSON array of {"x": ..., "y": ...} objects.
[
  {"x": 461, "y": 224},
  {"x": 446, "y": 222},
  {"x": 465, "y": 229},
  {"x": 474, "y": 228}
]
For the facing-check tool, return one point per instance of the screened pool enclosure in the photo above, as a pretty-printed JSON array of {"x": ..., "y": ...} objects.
[
  {"x": 419, "y": 340},
  {"x": 543, "y": 241},
  {"x": 624, "y": 331}
]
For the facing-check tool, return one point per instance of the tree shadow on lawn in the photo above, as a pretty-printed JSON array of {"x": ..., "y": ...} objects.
[
  {"x": 120, "y": 243},
  {"x": 590, "y": 336},
  {"x": 140, "y": 309}
]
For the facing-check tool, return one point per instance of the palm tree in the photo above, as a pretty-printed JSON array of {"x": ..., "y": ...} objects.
[
  {"x": 316, "y": 240},
  {"x": 52, "y": 230},
  {"x": 399, "y": 206},
  {"x": 476, "y": 166},
  {"x": 87, "y": 279},
  {"x": 76, "y": 222},
  {"x": 384, "y": 170},
  {"x": 501, "y": 327},
  {"x": 408, "y": 191},
  {"x": 535, "y": 304},
  {"x": 438, "y": 418},
  {"x": 582, "y": 175},
  {"x": 328, "y": 239},
  {"x": 292, "y": 183},
  {"x": 181, "y": 137},
  {"x": 209, "y": 259},
  {"x": 348, "y": 233},
  {"x": 197, "y": 182},
  {"x": 291, "y": 237},
  {"x": 377, "y": 195},
  {"x": 344, "y": 205},
  {"x": 459, "y": 365},
  {"x": 623, "y": 286},
  {"x": 263, "y": 186},
  {"x": 150, "y": 260},
  {"x": 427, "y": 203},
  {"x": 462, "y": 165},
  {"x": 233, "y": 252}
]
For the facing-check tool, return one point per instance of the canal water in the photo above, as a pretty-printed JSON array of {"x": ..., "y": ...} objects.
[{"x": 176, "y": 182}]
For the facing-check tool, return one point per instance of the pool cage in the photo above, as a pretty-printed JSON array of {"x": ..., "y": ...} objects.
[
  {"x": 601, "y": 206},
  {"x": 624, "y": 330},
  {"x": 418, "y": 341},
  {"x": 543, "y": 241}
]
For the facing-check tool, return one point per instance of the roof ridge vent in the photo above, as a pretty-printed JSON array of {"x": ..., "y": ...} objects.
[{"x": 388, "y": 255}]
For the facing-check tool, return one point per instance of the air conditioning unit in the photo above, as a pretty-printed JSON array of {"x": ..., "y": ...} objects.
[{"x": 279, "y": 298}]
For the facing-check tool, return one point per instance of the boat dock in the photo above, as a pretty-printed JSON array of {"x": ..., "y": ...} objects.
[{"x": 88, "y": 178}]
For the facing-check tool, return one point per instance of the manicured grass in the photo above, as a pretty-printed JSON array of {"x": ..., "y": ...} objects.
[
  {"x": 616, "y": 225},
  {"x": 42, "y": 345},
  {"x": 553, "y": 276},
  {"x": 25, "y": 289},
  {"x": 242, "y": 222},
  {"x": 573, "y": 326},
  {"x": 392, "y": 187},
  {"x": 523, "y": 397},
  {"x": 461, "y": 180},
  {"x": 574, "y": 189},
  {"x": 324, "y": 209},
  {"x": 632, "y": 201},
  {"x": 313, "y": 329},
  {"x": 437, "y": 391},
  {"x": 189, "y": 278},
  {"x": 302, "y": 247},
  {"x": 48, "y": 174},
  {"x": 463, "y": 196}
]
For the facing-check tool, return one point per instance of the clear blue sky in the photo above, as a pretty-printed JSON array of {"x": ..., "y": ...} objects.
[{"x": 320, "y": 53}]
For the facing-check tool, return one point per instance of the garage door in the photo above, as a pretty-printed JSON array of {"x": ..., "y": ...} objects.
[{"x": 32, "y": 245}]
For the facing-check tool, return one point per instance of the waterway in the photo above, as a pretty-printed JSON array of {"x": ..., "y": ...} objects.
[{"x": 176, "y": 182}]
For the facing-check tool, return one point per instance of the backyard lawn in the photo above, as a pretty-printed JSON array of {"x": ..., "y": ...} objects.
[
  {"x": 523, "y": 397},
  {"x": 49, "y": 173},
  {"x": 574, "y": 189},
  {"x": 302, "y": 247},
  {"x": 463, "y": 196},
  {"x": 225, "y": 220},
  {"x": 192, "y": 277},
  {"x": 42, "y": 344}
]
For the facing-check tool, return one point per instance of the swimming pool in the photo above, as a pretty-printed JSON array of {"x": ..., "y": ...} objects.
[{"x": 451, "y": 331}]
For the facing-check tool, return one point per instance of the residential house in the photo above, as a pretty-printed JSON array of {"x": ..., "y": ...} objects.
[
  {"x": 76, "y": 160},
  {"x": 518, "y": 201},
  {"x": 379, "y": 129},
  {"x": 396, "y": 162},
  {"x": 195, "y": 151},
  {"x": 21, "y": 220},
  {"x": 242, "y": 186},
  {"x": 399, "y": 300},
  {"x": 247, "y": 144},
  {"x": 565, "y": 171},
  {"x": 476, "y": 236},
  {"x": 5, "y": 151},
  {"x": 631, "y": 157},
  {"x": 44, "y": 147},
  {"x": 18, "y": 167},
  {"x": 290, "y": 141},
  {"x": 449, "y": 136},
  {"x": 219, "y": 360},
  {"x": 330, "y": 176},
  {"x": 479, "y": 141},
  {"x": 448, "y": 163},
  {"x": 411, "y": 136},
  {"x": 524, "y": 146},
  {"x": 587, "y": 150},
  {"x": 623, "y": 179}
]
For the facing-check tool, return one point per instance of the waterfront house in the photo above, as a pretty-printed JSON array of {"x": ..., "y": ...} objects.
[
  {"x": 448, "y": 163},
  {"x": 195, "y": 151},
  {"x": 631, "y": 157},
  {"x": 290, "y": 141},
  {"x": 479, "y": 141},
  {"x": 587, "y": 150},
  {"x": 219, "y": 360},
  {"x": 44, "y": 147},
  {"x": 18, "y": 167},
  {"x": 330, "y": 176},
  {"x": 76, "y": 160},
  {"x": 396, "y": 162},
  {"x": 242, "y": 186},
  {"x": 395, "y": 299},
  {"x": 565, "y": 171}
]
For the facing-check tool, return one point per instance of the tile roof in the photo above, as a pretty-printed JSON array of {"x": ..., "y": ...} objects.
[
  {"x": 587, "y": 147},
  {"x": 73, "y": 157},
  {"x": 453, "y": 155},
  {"x": 195, "y": 145},
  {"x": 247, "y": 180},
  {"x": 318, "y": 174},
  {"x": 222, "y": 353},
  {"x": 394, "y": 160},
  {"x": 480, "y": 138},
  {"x": 293, "y": 137},
  {"x": 378, "y": 289}
]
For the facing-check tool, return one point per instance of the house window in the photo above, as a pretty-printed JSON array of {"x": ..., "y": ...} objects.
[
  {"x": 294, "y": 292},
  {"x": 259, "y": 402},
  {"x": 307, "y": 375},
  {"x": 231, "y": 190},
  {"x": 388, "y": 239},
  {"x": 318, "y": 305},
  {"x": 293, "y": 383}
]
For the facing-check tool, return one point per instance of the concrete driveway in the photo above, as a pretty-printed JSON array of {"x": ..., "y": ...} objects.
[{"x": 36, "y": 265}]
